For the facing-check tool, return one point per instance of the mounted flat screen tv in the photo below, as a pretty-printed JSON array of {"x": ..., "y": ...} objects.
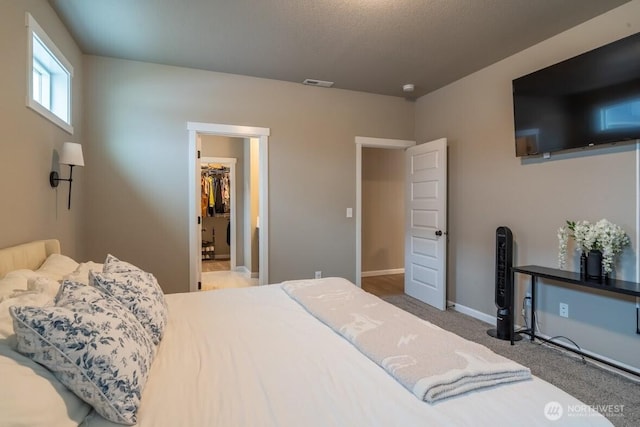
[{"x": 585, "y": 101}]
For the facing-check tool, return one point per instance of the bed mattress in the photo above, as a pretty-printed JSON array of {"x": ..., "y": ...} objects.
[{"x": 254, "y": 357}]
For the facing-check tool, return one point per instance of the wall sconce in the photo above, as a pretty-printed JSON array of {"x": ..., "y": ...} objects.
[{"x": 71, "y": 155}]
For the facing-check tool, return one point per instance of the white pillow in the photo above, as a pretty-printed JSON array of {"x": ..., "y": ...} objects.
[
  {"x": 44, "y": 285},
  {"x": 56, "y": 266},
  {"x": 31, "y": 383},
  {"x": 15, "y": 280},
  {"x": 140, "y": 293},
  {"x": 95, "y": 347},
  {"x": 37, "y": 299},
  {"x": 81, "y": 274}
]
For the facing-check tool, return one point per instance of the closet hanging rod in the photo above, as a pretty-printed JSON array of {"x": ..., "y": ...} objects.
[
  {"x": 213, "y": 166},
  {"x": 215, "y": 170}
]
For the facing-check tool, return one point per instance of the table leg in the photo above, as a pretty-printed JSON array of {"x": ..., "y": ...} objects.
[
  {"x": 512, "y": 308},
  {"x": 533, "y": 307}
]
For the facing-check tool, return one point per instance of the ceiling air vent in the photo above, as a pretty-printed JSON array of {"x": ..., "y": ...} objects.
[{"x": 314, "y": 82}]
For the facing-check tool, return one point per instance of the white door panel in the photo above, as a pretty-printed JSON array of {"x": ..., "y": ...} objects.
[{"x": 425, "y": 222}]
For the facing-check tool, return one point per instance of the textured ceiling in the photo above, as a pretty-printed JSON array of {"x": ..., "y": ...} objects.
[{"x": 365, "y": 45}]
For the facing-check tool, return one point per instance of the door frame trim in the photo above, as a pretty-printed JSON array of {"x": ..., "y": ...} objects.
[
  {"x": 365, "y": 141},
  {"x": 262, "y": 134}
]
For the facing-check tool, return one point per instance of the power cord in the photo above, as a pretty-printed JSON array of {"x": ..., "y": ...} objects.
[
  {"x": 545, "y": 340},
  {"x": 527, "y": 329},
  {"x": 524, "y": 316}
]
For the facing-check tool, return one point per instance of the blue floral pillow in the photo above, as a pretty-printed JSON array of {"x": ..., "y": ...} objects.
[
  {"x": 93, "y": 345},
  {"x": 114, "y": 265},
  {"x": 140, "y": 293}
]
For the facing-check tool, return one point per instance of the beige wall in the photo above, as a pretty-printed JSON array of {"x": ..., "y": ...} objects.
[
  {"x": 382, "y": 209},
  {"x": 490, "y": 187},
  {"x": 234, "y": 148},
  {"x": 137, "y": 144},
  {"x": 31, "y": 209}
]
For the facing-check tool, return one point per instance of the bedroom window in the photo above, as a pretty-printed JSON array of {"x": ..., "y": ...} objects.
[{"x": 49, "y": 77}]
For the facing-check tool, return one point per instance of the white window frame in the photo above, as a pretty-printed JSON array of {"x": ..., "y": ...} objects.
[
  {"x": 41, "y": 81},
  {"x": 53, "y": 97}
]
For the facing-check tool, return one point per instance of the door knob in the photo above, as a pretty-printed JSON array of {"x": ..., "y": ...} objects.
[{"x": 439, "y": 233}]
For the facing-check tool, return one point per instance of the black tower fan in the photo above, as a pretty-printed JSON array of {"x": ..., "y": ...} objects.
[{"x": 504, "y": 286}]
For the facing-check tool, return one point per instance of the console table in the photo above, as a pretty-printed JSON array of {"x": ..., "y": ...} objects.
[{"x": 563, "y": 276}]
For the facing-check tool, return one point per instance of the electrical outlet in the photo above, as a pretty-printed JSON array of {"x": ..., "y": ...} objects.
[
  {"x": 318, "y": 274},
  {"x": 527, "y": 299},
  {"x": 564, "y": 310}
]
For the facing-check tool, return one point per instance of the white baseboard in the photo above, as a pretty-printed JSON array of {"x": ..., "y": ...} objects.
[
  {"x": 382, "y": 272},
  {"x": 243, "y": 270},
  {"x": 246, "y": 273},
  {"x": 472, "y": 313}
]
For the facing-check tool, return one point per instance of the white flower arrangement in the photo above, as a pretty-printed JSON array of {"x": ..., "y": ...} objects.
[{"x": 603, "y": 236}]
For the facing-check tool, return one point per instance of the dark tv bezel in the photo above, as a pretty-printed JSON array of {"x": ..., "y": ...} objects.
[{"x": 593, "y": 73}]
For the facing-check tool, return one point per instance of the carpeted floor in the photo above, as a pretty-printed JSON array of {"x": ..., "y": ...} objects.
[{"x": 591, "y": 384}]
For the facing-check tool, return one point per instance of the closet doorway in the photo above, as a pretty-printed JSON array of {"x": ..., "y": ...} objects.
[
  {"x": 373, "y": 266},
  {"x": 229, "y": 202},
  {"x": 425, "y": 210},
  {"x": 257, "y": 227}
]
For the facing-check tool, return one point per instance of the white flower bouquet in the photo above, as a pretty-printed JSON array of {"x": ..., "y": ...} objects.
[{"x": 602, "y": 236}]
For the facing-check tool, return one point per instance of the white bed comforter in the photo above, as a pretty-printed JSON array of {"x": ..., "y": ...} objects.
[{"x": 254, "y": 357}]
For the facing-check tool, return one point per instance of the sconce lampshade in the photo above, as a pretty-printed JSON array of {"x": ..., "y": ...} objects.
[{"x": 71, "y": 154}]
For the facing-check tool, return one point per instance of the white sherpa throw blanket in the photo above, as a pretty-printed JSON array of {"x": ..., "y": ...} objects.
[{"x": 432, "y": 363}]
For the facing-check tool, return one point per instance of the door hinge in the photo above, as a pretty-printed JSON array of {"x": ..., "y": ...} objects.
[
  {"x": 199, "y": 220},
  {"x": 199, "y": 286},
  {"x": 198, "y": 153}
]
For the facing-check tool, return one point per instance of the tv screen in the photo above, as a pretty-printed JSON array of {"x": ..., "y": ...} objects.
[{"x": 591, "y": 99}]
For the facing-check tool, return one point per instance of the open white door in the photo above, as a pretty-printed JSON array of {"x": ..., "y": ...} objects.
[{"x": 425, "y": 252}]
